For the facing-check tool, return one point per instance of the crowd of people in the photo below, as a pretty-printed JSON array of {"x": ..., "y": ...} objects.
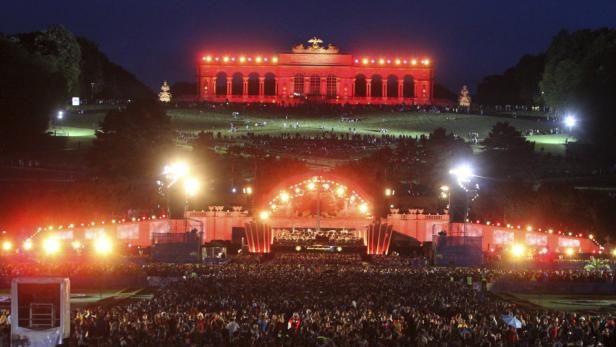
[
  {"x": 332, "y": 300},
  {"x": 319, "y": 299}
]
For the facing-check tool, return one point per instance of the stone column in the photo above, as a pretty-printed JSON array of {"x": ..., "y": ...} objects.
[
  {"x": 213, "y": 86},
  {"x": 205, "y": 87},
  {"x": 384, "y": 88},
  {"x": 323, "y": 86},
  {"x": 353, "y": 87},
  {"x": 368, "y": 87},
  {"x": 261, "y": 86},
  {"x": 400, "y": 89},
  {"x": 229, "y": 81},
  {"x": 276, "y": 86},
  {"x": 245, "y": 86},
  {"x": 338, "y": 81},
  {"x": 307, "y": 85}
]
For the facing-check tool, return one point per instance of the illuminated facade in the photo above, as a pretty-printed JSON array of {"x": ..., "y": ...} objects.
[{"x": 315, "y": 73}]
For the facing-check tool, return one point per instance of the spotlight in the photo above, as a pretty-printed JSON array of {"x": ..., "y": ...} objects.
[
  {"x": 363, "y": 208},
  {"x": 27, "y": 245},
  {"x": 570, "y": 121},
  {"x": 569, "y": 252},
  {"x": 51, "y": 246},
  {"x": 462, "y": 173},
  {"x": 264, "y": 215},
  {"x": 103, "y": 245},
  {"x": 518, "y": 250},
  {"x": 192, "y": 186},
  {"x": 284, "y": 196},
  {"x": 7, "y": 245}
]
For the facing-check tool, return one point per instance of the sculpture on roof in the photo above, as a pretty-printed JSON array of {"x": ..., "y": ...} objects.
[{"x": 315, "y": 47}]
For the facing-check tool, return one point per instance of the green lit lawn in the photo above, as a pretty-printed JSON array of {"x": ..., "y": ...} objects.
[
  {"x": 70, "y": 131},
  {"x": 409, "y": 124}
]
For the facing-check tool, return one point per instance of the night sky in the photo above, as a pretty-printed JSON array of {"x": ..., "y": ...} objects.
[{"x": 160, "y": 40}]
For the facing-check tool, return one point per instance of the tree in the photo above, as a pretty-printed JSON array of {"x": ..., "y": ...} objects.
[
  {"x": 437, "y": 154},
  {"x": 129, "y": 150},
  {"x": 580, "y": 77},
  {"x": 596, "y": 264},
  {"x": 60, "y": 48},
  {"x": 516, "y": 85},
  {"x": 507, "y": 154},
  {"x": 101, "y": 78},
  {"x": 31, "y": 88}
]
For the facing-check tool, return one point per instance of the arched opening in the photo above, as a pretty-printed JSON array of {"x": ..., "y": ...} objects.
[
  {"x": 298, "y": 84},
  {"x": 331, "y": 87},
  {"x": 269, "y": 85},
  {"x": 221, "y": 83},
  {"x": 315, "y": 85},
  {"x": 360, "y": 86},
  {"x": 253, "y": 84},
  {"x": 408, "y": 87},
  {"x": 392, "y": 86},
  {"x": 315, "y": 195},
  {"x": 377, "y": 86},
  {"x": 237, "y": 83}
]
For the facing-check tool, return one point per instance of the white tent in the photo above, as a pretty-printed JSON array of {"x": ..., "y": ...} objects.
[{"x": 34, "y": 314}]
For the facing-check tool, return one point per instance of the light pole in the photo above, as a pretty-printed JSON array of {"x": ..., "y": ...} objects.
[
  {"x": 192, "y": 186},
  {"x": 179, "y": 173},
  {"x": 389, "y": 196},
  {"x": 570, "y": 122},
  {"x": 446, "y": 195},
  {"x": 463, "y": 174},
  {"x": 248, "y": 192}
]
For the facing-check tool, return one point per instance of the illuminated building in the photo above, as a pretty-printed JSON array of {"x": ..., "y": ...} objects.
[{"x": 315, "y": 73}]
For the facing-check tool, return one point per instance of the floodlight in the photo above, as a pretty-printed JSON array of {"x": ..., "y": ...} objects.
[
  {"x": 518, "y": 250},
  {"x": 192, "y": 186},
  {"x": 103, "y": 245},
  {"x": 363, "y": 208},
  {"x": 51, "y": 245},
  {"x": 284, "y": 196},
  {"x": 463, "y": 173},
  {"x": 570, "y": 121}
]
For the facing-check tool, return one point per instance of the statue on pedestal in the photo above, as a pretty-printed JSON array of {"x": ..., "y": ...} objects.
[
  {"x": 464, "y": 99},
  {"x": 165, "y": 94}
]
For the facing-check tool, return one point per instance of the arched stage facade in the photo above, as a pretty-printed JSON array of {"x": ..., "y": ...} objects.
[
  {"x": 327, "y": 204},
  {"x": 315, "y": 74}
]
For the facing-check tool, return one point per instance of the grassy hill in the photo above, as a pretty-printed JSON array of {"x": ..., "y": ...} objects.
[{"x": 409, "y": 124}]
